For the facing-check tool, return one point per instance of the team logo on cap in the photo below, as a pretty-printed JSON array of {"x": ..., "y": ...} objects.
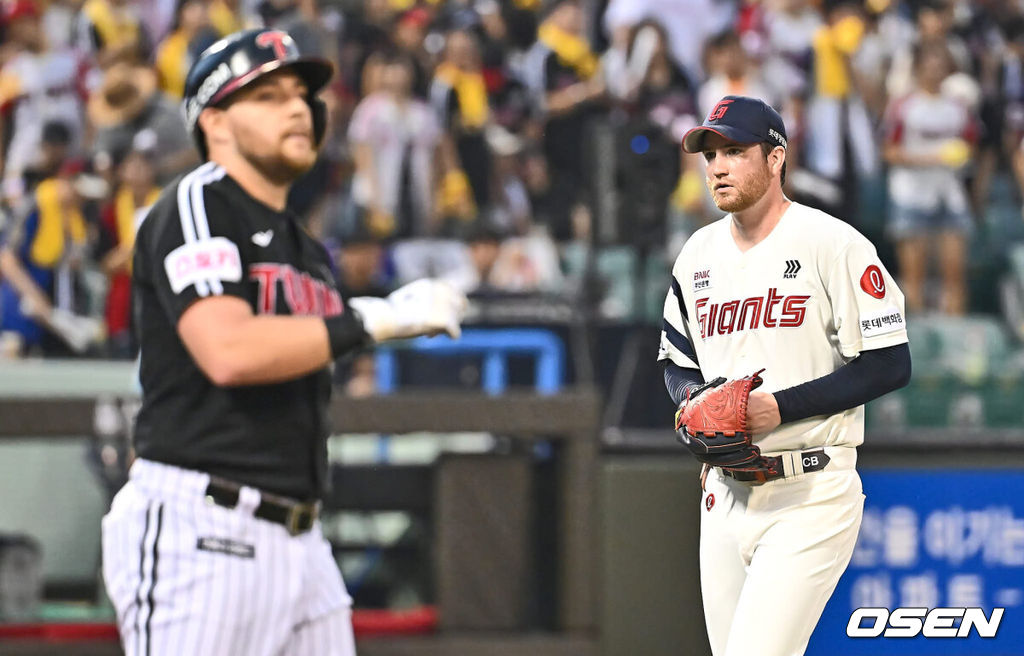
[
  {"x": 720, "y": 109},
  {"x": 277, "y": 40}
]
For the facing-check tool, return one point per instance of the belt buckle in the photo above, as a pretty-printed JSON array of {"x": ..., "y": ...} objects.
[
  {"x": 296, "y": 514},
  {"x": 294, "y": 517},
  {"x": 292, "y": 523}
]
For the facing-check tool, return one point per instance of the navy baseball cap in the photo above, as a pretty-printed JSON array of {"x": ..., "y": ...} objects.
[{"x": 741, "y": 119}]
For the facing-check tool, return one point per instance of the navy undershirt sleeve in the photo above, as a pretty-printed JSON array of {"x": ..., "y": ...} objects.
[
  {"x": 867, "y": 377},
  {"x": 678, "y": 379}
]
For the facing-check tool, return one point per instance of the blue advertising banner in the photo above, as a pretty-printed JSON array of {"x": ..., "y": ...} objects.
[{"x": 933, "y": 538}]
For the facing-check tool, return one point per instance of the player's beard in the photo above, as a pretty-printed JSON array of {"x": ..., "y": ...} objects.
[
  {"x": 750, "y": 192},
  {"x": 278, "y": 168}
]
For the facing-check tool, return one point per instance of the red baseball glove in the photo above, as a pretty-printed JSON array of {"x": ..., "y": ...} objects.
[{"x": 712, "y": 423}]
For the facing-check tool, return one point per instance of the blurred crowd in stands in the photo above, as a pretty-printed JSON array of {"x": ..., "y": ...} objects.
[{"x": 487, "y": 141}]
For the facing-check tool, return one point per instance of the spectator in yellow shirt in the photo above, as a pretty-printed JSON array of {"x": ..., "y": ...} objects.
[
  {"x": 837, "y": 118},
  {"x": 111, "y": 31},
  {"x": 192, "y": 32},
  {"x": 225, "y": 17}
]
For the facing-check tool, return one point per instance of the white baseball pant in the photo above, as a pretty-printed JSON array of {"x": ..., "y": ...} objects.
[
  {"x": 771, "y": 556},
  {"x": 190, "y": 577}
]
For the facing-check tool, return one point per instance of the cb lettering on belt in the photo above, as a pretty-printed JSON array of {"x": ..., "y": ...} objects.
[{"x": 810, "y": 461}]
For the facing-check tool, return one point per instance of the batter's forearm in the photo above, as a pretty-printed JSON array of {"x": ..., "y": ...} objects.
[
  {"x": 270, "y": 349},
  {"x": 234, "y": 347}
]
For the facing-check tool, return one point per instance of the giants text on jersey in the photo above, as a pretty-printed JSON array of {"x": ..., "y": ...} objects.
[{"x": 780, "y": 311}]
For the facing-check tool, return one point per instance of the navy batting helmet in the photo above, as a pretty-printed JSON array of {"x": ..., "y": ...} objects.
[{"x": 238, "y": 59}]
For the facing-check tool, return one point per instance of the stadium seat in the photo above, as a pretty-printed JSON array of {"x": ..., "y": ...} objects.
[
  {"x": 967, "y": 372},
  {"x": 616, "y": 265}
]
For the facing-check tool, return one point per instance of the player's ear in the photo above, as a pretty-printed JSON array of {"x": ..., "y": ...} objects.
[
  {"x": 776, "y": 160},
  {"x": 213, "y": 122}
]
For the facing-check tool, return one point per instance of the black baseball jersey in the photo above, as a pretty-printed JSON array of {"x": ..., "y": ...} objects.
[{"x": 204, "y": 237}]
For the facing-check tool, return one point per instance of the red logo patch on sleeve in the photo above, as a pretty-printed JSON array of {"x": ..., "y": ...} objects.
[{"x": 873, "y": 282}]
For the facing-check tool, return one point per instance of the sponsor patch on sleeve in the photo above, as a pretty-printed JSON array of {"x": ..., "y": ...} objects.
[
  {"x": 881, "y": 322},
  {"x": 873, "y": 282},
  {"x": 211, "y": 259}
]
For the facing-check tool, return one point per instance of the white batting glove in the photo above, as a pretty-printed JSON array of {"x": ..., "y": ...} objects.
[
  {"x": 423, "y": 307},
  {"x": 78, "y": 332}
]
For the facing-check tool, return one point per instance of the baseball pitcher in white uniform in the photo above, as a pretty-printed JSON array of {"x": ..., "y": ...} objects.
[{"x": 781, "y": 322}]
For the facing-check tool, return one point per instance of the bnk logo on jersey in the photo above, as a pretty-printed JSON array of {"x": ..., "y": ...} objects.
[
  {"x": 934, "y": 623},
  {"x": 701, "y": 280}
]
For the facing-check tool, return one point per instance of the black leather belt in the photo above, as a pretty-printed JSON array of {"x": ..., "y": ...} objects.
[
  {"x": 809, "y": 461},
  {"x": 295, "y": 516}
]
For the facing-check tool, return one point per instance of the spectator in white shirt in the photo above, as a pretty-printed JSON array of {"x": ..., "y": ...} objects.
[{"x": 929, "y": 141}]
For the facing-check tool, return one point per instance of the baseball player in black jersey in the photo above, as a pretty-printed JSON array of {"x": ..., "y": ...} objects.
[{"x": 213, "y": 546}]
